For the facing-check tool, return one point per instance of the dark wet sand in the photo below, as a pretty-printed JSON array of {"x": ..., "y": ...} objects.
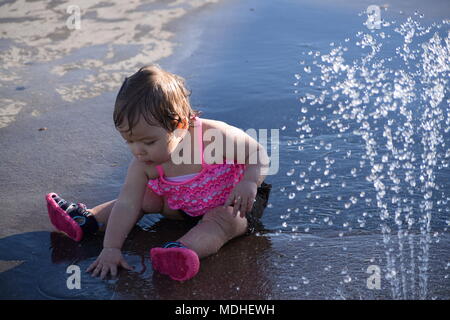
[
  {"x": 82, "y": 157},
  {"x": 272, "y": 266}
]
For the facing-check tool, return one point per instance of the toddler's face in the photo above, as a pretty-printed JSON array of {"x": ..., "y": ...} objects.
[{"x": 150, "y": 144}]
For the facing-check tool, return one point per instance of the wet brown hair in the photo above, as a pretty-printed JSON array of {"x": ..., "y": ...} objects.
[{"x": 155, "y": 94}]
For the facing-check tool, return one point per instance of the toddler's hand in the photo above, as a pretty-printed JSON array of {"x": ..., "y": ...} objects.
[
  {"x": 242, "y": 197},
  {"x": 107, "y": 261}
]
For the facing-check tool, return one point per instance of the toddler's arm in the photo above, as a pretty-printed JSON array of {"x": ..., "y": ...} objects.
[
  {"x": 123, "y": 216},
  {"x": 128, "y": 206},
  {"x": 241, "y": 147}
]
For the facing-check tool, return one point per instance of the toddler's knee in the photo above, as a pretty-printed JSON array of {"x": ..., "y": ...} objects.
[{"x": 231, "y": 226}]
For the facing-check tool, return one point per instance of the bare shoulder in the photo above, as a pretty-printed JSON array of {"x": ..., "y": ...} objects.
[
  {"x": 215, "y": 124},
  {"x": 225, "y": 128},
  {"x": 138, "y": 170}
]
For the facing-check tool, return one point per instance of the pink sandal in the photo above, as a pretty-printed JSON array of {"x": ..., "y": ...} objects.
[
  {"x": 70, "y": 218},
  {"x": 176, "y": 261}
]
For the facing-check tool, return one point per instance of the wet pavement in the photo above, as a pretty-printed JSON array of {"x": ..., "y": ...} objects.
[{"x": 57, "y": 93}]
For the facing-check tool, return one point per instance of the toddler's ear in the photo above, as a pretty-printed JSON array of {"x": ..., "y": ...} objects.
[
  {"x": 184, "y": 124},
  {"x": 179, "y": 132}
]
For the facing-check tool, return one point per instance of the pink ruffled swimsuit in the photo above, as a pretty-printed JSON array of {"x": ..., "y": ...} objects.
[{"x": 200, "y": 192}]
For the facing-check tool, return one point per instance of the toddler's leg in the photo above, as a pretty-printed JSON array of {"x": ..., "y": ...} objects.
[
  {"x": 76, "y": 220},
  {"x": 180, "y": 259},
  {"x": 102, "y": 212},
  {"x": 216, "y": 228},
  {"x": 151, "y": 203}
]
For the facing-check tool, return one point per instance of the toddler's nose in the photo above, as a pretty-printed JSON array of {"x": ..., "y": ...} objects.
[{"x": 139, "y": 152}]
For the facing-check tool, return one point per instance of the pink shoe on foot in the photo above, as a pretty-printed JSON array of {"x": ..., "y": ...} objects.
[
  {"x": 70, "y": 218},
  {"x": 176, "y": 261}
]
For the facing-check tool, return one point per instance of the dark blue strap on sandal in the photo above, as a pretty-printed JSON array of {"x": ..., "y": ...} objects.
[
  {"x": 84, "y": 218},
  {"x": 174, "y": 244},
  {"x": 79, "y": 213}
]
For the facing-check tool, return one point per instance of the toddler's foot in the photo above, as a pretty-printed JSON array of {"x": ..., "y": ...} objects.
[
  {"x": 176, "y": 261},
  {"x": 70, "y": 218}
]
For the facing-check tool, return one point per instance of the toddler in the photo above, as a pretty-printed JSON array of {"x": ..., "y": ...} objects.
[{"x": 153, "y": 115}]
